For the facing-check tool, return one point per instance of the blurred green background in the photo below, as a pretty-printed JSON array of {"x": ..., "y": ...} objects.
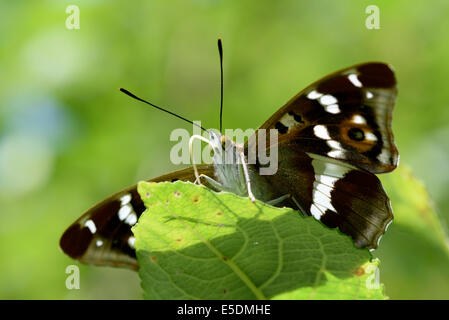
[{"x": 68, "y": 138}]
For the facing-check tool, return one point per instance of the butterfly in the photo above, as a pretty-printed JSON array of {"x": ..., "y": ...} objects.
[{"x": 333, "y": 138}]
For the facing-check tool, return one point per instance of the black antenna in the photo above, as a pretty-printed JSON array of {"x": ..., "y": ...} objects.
[
  {"x": 220, "y": 51},
  {"x": 162, "y": 109}
]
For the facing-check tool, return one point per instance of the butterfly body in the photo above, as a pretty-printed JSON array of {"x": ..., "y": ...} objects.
[
  {"x": 228, "y": 160},
  {"x": 333, "y": 137}
]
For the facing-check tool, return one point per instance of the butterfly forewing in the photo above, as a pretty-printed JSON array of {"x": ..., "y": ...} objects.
[
  {"x": 346, "y": 116},
  {"x": 103, "y": 236}
]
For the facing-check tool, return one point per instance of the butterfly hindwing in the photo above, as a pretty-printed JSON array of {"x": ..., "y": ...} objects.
[
  {"x": 103, "y": 236},
  {"x": 333, "y": 192},
  {"x": 352, "y": 200}
]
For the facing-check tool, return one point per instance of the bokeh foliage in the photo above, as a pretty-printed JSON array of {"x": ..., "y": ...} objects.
[{"x": 68, "y": 138}]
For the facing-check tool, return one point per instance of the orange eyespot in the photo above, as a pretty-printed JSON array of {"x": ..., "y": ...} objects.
[{"x": 359, "y": 136}]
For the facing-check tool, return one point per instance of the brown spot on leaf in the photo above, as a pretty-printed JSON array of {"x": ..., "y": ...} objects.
[{"x": 360, "y": 272}]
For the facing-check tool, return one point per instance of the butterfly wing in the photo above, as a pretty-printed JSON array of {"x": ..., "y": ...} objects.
[
  {"x": 333, "y": 137},
  {"x": 346, "y": 116},
  {"x": 103, "y": 236}
]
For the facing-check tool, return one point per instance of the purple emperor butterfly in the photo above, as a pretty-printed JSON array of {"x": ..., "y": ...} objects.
[{"x": 334, "y": 136}]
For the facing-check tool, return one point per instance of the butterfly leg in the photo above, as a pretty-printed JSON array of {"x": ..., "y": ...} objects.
[
  {"x": 276, "y": 201},
  {"x": 279, "y": 200},
  {"x": 248, "y": 182},
  {"x": 300, "y": 208},
  {"x": 214, "y": 184}
]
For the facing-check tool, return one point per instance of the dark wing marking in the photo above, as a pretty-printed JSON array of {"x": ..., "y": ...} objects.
[{"x": 103, "y": 236}]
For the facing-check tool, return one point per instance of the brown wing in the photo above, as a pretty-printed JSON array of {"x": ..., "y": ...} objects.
[
  {"x": 346, "y": 116},
  {"x": 103, "y": 236},
  {"x": 333, "y": 136},
  {"x": 333, "y": 192}
]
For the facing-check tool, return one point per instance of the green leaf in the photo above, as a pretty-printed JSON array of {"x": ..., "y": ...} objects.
[
  {"x": 413, "y": 208},
  {"x": 193, "y": 243},
  {"x": 415, "y": 249}
]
